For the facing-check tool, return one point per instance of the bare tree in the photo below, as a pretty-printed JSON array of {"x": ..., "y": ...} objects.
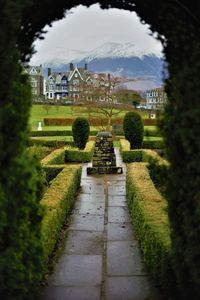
[
  {"x": 47, "y": 108},
  {"x": 106, "y": 99}
]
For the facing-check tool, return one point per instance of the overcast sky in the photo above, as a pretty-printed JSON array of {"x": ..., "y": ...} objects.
[{"x": 84, "y": 29}]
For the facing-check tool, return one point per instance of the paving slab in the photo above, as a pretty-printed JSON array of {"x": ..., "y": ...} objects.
[
  {"x": 118, "y": 189},
  {"x": 89, "y": 208},
  {"x": 78, "y": 270},
  {"x": 130, "y": 288},
  {"x": 72, "y": 293},
  {"x": 120, "y": 232},
  {"x": 84, "y": 242},
  {"x": 92, "y": 188},
  {"x": 87, "y": 222},
  {"x": 118, "y": 214},
  {"x": 92, "y": 198},
  {"x": 124, "y": 259},
  {"x": 117, "y": 201}
]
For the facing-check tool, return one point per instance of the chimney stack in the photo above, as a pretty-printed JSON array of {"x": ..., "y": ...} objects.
[
  {"x": 71, "y": 66},
  {"x": 86, "y": 67},
  {"x": 49, "y": 72}
]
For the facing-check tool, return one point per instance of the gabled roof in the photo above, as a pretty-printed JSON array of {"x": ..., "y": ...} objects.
[
  {"x": 58, "y": 77},
  {"x": 34, "y": 70},
  {"x": 71, "y": 74}
]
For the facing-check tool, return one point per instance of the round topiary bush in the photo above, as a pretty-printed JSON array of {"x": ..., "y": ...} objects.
[
  {"x": 80, "y": 132},
  {"x": 133, "y": 129}
]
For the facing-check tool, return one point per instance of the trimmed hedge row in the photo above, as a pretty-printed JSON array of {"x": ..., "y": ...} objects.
[
  {"x": 76, "y": 155},
  {"x": 49, "y": 143},
  {"x": 153, "y": 144},
  {"x": 148, "y": 210},
  {"x": 151, "y": 132},
  {"x": 92, "y": 121},
  {"x": 36, "y": 133},
  {"x": 52, "y": 171},
  {"x": 138, "y": 155},
  {"x": 39, "y": 151},
  {"x": 56, "y": 157},
  {"x": 57, "y": 202}
]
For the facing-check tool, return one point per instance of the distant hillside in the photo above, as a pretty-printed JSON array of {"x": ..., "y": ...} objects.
[{"x": 120, "y": 60}]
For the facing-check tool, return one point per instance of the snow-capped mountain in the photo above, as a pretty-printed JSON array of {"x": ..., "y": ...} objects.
[
  {"x": 115, "y": 50},
  {"x": 117, "y": 58}
]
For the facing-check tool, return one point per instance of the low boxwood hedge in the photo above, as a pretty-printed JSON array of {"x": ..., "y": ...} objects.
[
  {"x": 153, "y": 144},
  {"x": 39, "y": 151},
  {"x": 57, "y": 202},
  {"x": 36, "y": 133},
  {"x": 49, "y": 143},
  {"x": 56, "y": 157},
  {"x": 52, "y": 171},
  {"x": 145, "y": 155},
  {"x": 76, "y": 155},
  {"x": 148, "y": 210}
]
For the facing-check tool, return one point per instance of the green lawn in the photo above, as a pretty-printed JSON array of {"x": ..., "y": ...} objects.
[
  {"x": 38, "y": 113},
  {"x": 55, "y": 138}
]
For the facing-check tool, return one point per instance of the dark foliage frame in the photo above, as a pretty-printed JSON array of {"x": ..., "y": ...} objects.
[{"x": 174, "y": 22}]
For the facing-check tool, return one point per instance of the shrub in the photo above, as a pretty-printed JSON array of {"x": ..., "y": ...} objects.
[
  {"x": 20, "y": 230},
  {"x": 56, "y": 157},
  {"x": 153, "y": 144},
  {"x": 39, "y": 151},
  {"x": 145, "y": 155},
  {"x": 36, "y": 133},
  {"x": 133, "y": 129},
  {"x": 49, "y": 143},
  {"x": 149, "y": 214},
  {"x": 152, "y": 132},
  {"x": 75, "y": 155},
  {"x": 80, "y": 132},
  {"x": 57, "y": 202},
  {"x": 52, "y": 171}
]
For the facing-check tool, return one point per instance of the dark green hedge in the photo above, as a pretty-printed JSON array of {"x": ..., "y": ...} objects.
[
  {"x": 49, "y": 143},
  {"x": 57, "y": 133},
  {"x": 52, "y": 171},
  {"x": 56, "y": 157},
  {"x": 153, "y": 144},
  {"x": 133, "y": 129},
  {"x": 76, "y": 155},
  {"x": 176, "y": 24},
  {"x": 148, "y": 212},
  {"x": 80, "y": 132},
  {"x": 39, "y": 151},
  {"x": 151, "y": 132},
  {"x": 57, "y": 203}
]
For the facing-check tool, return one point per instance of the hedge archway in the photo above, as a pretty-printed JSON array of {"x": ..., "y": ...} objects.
[{"x": 178, "y": 27}]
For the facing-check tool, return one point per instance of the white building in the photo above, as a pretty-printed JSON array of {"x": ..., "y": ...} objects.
[{"x": 156, "y": 98}]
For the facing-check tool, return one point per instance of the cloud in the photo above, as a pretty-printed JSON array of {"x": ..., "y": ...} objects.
[{"x": 84, "y": 29}]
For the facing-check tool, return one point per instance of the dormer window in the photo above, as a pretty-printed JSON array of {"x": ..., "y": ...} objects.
[{"x": 76, "y": 75}]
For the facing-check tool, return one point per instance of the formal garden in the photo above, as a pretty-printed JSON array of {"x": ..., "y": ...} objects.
[
  {"x": 162, "y": 194},
  {"x": 62, "y": 154}
]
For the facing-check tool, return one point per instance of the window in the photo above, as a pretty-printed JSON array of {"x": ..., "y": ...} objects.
[{"x": 75, "y": 82}]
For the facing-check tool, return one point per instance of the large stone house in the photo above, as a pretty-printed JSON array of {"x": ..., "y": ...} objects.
[
  {"x": 56, "y": 85},
  {"x": 77, "y": 79},
  {"x": 36, "y": 80},
  {"x": 156, "y": 98},
  {"x": 75, "y": 85}
]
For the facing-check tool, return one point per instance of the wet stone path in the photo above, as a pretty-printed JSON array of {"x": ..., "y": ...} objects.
[{"x": 101, "y": 259}]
